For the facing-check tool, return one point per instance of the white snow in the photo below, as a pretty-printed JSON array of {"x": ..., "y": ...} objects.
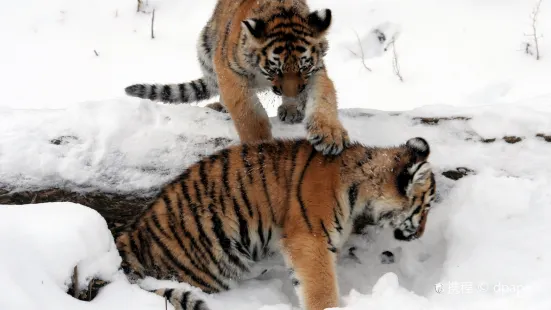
[
  {"x": 40, "y": 245},
  {"x": 65, "y": 121}
]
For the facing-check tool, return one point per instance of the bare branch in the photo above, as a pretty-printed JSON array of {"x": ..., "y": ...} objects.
[
  {"x": 352, "y": 52},
  {"x": 96, "y": 52},
  {"x": 534, "y": 34},
  {"x": 362, "y": 51},
  {"x": 534, "y": 19},
  {"x": 153, "y": 24},
  {"x": 362, "y": 55},
  {"x": 75, "y": 282},
  {"x": 395, "y": 59},
  {"x": 90, "y": 290}
]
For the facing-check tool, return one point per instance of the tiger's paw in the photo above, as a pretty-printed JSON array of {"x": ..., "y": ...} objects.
[
  {"x": 327, "y": 137},
  {"x": 290, "y": 113},
  {"x": 217, "y": 106}
]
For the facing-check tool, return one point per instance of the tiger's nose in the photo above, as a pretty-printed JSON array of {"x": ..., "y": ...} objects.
[
  {"x": 292, "y": 84},
  {"x": 276, "y": 90}
]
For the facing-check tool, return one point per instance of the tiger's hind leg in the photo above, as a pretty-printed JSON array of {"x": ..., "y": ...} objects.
[
  {"x": 270, "y": 262},
  {"x": 313, "y": 272}
]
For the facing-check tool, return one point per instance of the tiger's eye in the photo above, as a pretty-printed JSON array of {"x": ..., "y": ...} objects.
[{"x": 278, "y": 50}]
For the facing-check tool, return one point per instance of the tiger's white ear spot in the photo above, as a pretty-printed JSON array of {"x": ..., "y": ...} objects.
[
  {"x": 320, "y": 20},
  {"x": 420, "y": 148},
  {"x": 250, "y": 23},
  {"x": 322, "y": 14},
  {"x": 418, "y": 144}
]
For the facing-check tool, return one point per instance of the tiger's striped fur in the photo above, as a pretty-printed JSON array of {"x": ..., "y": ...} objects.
[
  {"x": 249, "y": 46},
  {"x": 213, "y": 224}
]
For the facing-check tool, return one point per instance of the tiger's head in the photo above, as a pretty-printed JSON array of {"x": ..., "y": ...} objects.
[
  {"x": 417, "y": 187},
  {"x": 288, "y": 47}
]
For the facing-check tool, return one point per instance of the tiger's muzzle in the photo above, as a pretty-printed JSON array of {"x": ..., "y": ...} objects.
[
  {"x": 289, "y": 85},
  {"x": 412, "y": 227}
]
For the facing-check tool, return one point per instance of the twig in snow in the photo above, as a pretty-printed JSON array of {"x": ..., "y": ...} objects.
[
  {"x": 140, "y": 4},
  {"x": 153, "y": 24},
  {"x": 362, "y": 56},
  {"x": 96, "y": 52},
  {"x": 534, "y": 30},
  {"x": 532, "y": 48},
  {"x": 395, "y": 59},
  {"x": 75, "y": 282},
  {"x": 90, "y": 290}
]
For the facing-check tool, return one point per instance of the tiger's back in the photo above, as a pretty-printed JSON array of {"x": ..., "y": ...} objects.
[
  {"x": 212, "y": 225},
  {"x": 213, "y": 222}
]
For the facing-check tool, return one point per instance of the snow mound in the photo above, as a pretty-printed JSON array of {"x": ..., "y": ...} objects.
[
  {"x": 134, "y": 146},
  {"x": 40, "y": 244},
  {"x": 482, "y": 248}
]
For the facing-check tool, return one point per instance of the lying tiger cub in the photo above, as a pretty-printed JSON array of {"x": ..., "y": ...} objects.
[{"x": 213, "y": 223}]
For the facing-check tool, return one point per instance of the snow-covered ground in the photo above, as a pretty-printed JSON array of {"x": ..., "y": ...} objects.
[
  {"x": 64, "y": 121},
  {"x": 485, "y": 242},
  {"x": 460, "y": 52}
]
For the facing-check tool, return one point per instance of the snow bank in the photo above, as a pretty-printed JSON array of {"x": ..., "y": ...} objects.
[
  {"x": 484, "y": 232},
  {"x": 112, "y": 145},
  {"x": 128, "y": 146},
  {"x": 483, "y": 249},
  {"x": 40, "y": 245}
]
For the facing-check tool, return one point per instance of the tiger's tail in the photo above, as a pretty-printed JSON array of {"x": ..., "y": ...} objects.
[
  {"x": 194, "y": 91},
  {"x": 181, "y": 299}
]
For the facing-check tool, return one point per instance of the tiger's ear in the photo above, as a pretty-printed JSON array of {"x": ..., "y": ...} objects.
[
  {"x": 419, "y": 148},
  {"x": 256, "y": 27},
  {"x": 417, "y": 171},
  {"x": 414, "y": 176},
  {"x": 320, "y": 21}
]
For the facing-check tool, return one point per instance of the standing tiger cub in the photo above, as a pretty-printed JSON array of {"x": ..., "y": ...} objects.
[
  {"x": 249, "y": 46},
  {"x": 213, "y": 224}
]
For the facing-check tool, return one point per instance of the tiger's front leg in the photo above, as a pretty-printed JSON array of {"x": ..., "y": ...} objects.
[
  {"x": 312, "y": 269},
  {"x": 324, "y": 129},
  {"x": 291, "y": 110},
  {"x": 249, "y": 117}
]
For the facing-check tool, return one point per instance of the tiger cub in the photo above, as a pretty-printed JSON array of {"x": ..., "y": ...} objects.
[
  {"x": 250, "y": 46},
  {"x": 215, "y": 222}
]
